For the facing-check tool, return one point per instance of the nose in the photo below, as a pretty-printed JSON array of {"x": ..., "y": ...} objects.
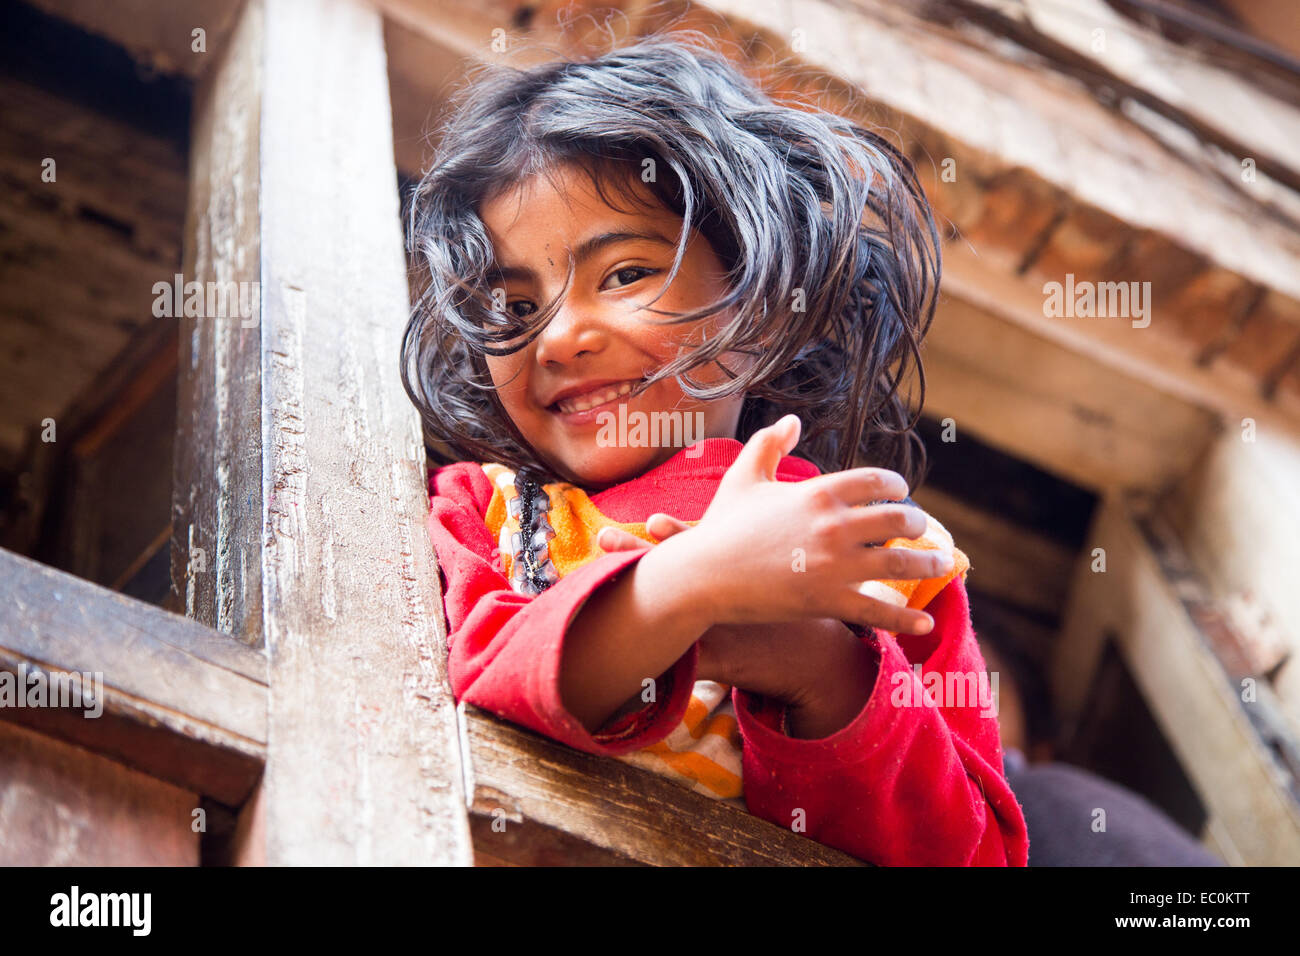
[{"x": 576, "y": 327}]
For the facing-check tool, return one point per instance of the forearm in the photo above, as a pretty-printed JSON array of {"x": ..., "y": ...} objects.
[{"x": 632, "y": 628}]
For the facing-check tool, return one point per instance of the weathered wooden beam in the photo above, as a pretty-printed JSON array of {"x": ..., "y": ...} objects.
[
  {"x": 991, "y": 111},
  {"x": 216, "y": 550},
  {"x": 1091, "y": 41},
  {"x": 1031, "y": 396},
  {"x": 1197, "y": 702},
  {"x": 1168, "y": 355},
  {"x": 180, "y": 702},
  {"x": 548, "y": 801},
  {"x": 159, "y": 33},
  {"x": 364, "y": 763}
]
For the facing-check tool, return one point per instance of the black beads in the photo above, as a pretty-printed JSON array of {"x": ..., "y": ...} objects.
[{"x": 533, "y": 570}]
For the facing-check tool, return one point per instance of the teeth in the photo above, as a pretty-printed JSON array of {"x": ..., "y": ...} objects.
[{"x": 580, "y": 403}]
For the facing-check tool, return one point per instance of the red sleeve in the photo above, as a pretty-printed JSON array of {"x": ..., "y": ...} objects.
[
  {"x": 505, "y": 647},
  {"x": 912, "y": 780}
]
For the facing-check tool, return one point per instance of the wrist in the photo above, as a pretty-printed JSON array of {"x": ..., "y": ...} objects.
[
  {"x": 839, "y": 690},
  {"x": 676, "y": 572}
]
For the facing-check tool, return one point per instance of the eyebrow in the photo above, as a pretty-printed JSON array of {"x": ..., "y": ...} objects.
[{"x": 586, "y": 249}]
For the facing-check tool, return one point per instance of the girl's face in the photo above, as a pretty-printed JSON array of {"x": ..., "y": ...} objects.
[{"x": 600, "y": 333}]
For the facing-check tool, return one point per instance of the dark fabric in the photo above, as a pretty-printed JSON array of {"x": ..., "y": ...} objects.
[{"x": 1060, "y": 803}]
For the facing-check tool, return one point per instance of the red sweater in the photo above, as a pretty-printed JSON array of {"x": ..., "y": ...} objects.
[{"x": 899, "y": 785}]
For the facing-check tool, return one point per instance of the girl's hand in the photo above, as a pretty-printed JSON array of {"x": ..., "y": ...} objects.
[
  {"x": 757, "y": 657},
  {"x": 778, "y": 551},
  {"x": 819, "y": 668},
  {"x": 721, "y": 646}
]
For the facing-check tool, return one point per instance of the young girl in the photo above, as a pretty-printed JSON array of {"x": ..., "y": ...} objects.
[{"x": 645, "y": 240}]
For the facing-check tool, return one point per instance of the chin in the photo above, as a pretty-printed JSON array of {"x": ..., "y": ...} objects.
[{"x": 610, "y": 466}]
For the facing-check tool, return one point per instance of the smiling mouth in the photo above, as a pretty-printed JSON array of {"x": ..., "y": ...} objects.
[{"x": 595, "y": 398}]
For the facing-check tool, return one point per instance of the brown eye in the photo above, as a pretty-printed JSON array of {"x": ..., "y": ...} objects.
[
  {"x": 521, "y": 308},
  {"x": 627, "y": 276}
]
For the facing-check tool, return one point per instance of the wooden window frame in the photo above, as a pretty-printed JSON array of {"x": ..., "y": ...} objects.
[{"x": 306, "y": 687}]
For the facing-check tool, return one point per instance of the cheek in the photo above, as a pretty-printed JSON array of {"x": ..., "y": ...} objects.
[{"x": 511, "y": 384}]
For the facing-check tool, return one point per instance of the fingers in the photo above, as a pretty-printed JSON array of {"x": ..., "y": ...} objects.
[
  {"x": 765, "y": 448},
  {"x": 616, "y": 539},
  {"x": 659, "y": 526},
  {"x": 876, "y": 524},
  {"x": 862, "y": 486},
  {"x": 901, "y": 564},
  {"x": 871, "y": 612}
]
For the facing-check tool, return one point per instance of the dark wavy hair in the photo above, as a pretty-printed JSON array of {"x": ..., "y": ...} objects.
[{"x": 831, "y": 249}]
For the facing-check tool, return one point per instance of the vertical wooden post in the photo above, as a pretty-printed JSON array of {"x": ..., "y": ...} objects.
[
  {"x": 217, "y": 471},
  {"x": 301, "y": 423},
  {"x": 364, "y": 761}
]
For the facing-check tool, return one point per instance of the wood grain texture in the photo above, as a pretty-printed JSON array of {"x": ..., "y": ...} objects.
[
  {"x": 181, "y": 702},
  {"x": 216, "y": 550},
  {"x": 622, "y": 812},
  {"x": 1030, "y": 396},
  {"x": 63, "y": 806},
  {"x": 364, "y": 762},
  {"x": 1221, "y": 106},
  {"x": 1238, "y": 514},
  {"x": 1167, "y": 356},
  {"x": 1243, "y": 788}
]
